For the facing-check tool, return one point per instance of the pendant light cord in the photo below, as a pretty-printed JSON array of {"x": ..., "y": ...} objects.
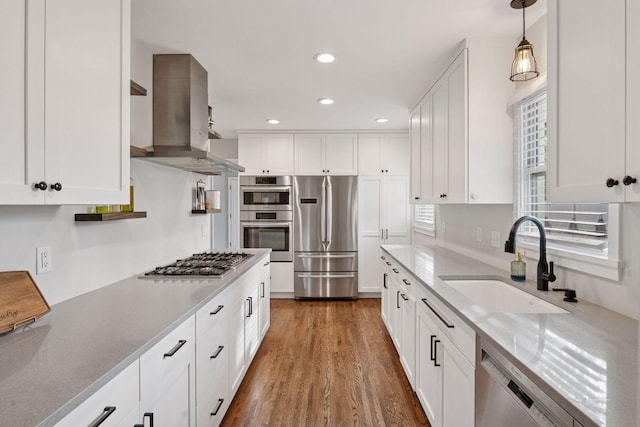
[{"x": 523, "y": 8}]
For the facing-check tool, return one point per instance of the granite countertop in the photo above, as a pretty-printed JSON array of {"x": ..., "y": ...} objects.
[
  {"x": 585, "y": 360},
  {"x": 53, "y": 365}
]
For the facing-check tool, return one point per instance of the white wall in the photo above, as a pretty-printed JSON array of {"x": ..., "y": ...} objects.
[
  {"x": 462, "y": 221},
  {"x": 90, "y": 255}
]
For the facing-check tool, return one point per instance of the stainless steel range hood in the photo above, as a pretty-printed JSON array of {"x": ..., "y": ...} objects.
[{"x": 180, "y": 117}]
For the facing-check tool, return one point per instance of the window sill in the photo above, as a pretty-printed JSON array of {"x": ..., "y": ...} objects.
[
  {"x": 593, "y": 265},
  {"x": 424, "y": 230}
]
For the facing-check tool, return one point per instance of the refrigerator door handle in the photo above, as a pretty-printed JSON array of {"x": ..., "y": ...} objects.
[
  {"x": 351, "y": 255},
  {"x": 325, "y": 275},
  {"x": 329, "y": 207},
  {"x": 323, "y": 213}
]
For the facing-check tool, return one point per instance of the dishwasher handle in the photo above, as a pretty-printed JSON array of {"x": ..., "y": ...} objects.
[{"x": 520, "y": 394}]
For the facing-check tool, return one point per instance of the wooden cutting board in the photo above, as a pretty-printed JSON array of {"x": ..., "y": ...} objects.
[{"x": 21, "y": 302}]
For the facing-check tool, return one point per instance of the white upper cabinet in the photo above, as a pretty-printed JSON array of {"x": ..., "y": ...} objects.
[
  {"x": 266, "y": 154},
  {"x": 466, "y": 134},
  {"x": 592, "y": 111},
  {"x": 65, "y": 105},
  {"x": 383, "y": 154},
  {"x": 326, "y": 154}
]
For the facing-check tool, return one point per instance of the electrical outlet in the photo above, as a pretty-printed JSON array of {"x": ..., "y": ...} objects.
[
  {"x": 495, "y": 239},
  {"x": 43, "y": 260},
  {"x": 479, "y": 234}
]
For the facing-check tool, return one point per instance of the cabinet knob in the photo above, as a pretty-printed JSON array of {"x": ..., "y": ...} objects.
[
  {"x": 612, "y": 182},
  {"x": 57, "y": 186},
  {"x": 328, "y": 171},
  {"x": 268, "y": 171},
  {"x": 40, "y": 185},
  {"x": 381, "y": 170},
  {"x": 627, "y": 180},
  {"x": 386, "y": 170},
  {"x": 416, "y": 198}
]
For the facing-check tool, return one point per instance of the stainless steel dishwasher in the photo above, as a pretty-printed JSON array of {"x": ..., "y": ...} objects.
[{"x": 506, "y": 397}]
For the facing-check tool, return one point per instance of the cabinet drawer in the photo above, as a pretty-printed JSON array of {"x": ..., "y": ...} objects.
[
  {"x": 212, "y": 356},
  {"x": 112, "y": 403},
  {"x": 459, "y": 333},
  {"x": 213, "y": 405},
  {"x": 211, "y": 314},
  {"x": 161, "y": 364}
]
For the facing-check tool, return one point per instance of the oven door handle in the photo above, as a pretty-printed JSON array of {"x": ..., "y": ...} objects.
[
  {"x": 265, "y": 224},
  {"x": 269, "y": 188}
]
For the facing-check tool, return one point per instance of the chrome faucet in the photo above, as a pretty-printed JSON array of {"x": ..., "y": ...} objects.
[{"x": 545, "y": 271}]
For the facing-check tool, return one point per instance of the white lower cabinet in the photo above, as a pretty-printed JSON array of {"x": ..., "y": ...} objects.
[
  {"x": 167, "y": 378},
  {"x": 445, "y": 377},
  {"x": 212, "y": 361},
  {"x": 115, "y": 404},
  {"x": 190, "y": 376}
]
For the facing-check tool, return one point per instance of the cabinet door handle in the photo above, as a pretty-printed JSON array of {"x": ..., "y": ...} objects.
[
  {"x": 612, "y": 182},
  {"x": 57, "y": 186},
  {"x": 146, "y": 414},
  {"x": 404, "y": 297},
  {"x": 384, "y": 280},
  {"x": 248, "y": 307},
  {"x": 217, "y": 353},
  {"x": 386, "y": 234},
  {"x": 441, "y": 317},
  {"x": 628, "y": 180},
  {"x": 416, "y": 198},
  {"x": 40, "y": 185},
  {"x": 217, "y": 310},
  {"x": 406, "y": 282},
  {"x": 175, "y": 349},
  {"x": 397, "y": 299},
  {"x": 435, "y": 352},
  {"x": 106, "y": 413},
  {"x": 382, "y": 233},
  {"x": 431, "y": 356},
  {"x": 262, "y": 296},
  {"x": 215, "y": 411}
]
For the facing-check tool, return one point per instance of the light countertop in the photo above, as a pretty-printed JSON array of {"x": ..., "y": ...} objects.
[
  {"x": 585, "y": 360},
  {"x": 53, "y": 365}
]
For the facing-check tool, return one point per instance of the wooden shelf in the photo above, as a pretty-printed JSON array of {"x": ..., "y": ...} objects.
[
  {"x": 81, "y": 217},
  {"x": 205, "y": 211},
  {"x": 137, "y": 90}
]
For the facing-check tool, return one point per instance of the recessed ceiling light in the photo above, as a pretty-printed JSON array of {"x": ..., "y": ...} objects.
[
  {"x": 382, "y": 120},
  {"x": 325, "y": 101},
  {"x": 325, "y": 58},
  {"x": 273, "y": 121}
]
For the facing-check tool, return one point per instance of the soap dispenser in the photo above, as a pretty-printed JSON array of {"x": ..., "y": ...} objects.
[{"x": 518, "y": 268}]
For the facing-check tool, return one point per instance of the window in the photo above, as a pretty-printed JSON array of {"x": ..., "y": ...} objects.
[
  {"x": 578, "y": 231},
  {"x": 424, "y": 219}
]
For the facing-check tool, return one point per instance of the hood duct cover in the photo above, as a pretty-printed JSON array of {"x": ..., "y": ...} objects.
[{"x": 180, "y": 116}]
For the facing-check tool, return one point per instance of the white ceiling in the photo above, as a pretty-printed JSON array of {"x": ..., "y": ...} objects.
[{"x": 259, "y": 54}]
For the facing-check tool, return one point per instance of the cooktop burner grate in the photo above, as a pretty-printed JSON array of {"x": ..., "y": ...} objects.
[{"x": 211, "y": 264}]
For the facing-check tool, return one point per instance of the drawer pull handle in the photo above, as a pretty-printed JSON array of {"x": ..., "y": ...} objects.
[
  {"x": 404, "y": 297},
  {"x": 406, "y": 282},
  {"x": 217, "y": 353},
  {"x": 388, "y": 263},
  {"x": 215, "y": 411},
  {"x": 217, "y": 310},
  {"x": 395, "y": 270},
  {"x": 175, "y": 349},
  {"x": 106, "y": 413},
  {"x": 266, "y": 263},
  {"x": 442, "y": 319}
]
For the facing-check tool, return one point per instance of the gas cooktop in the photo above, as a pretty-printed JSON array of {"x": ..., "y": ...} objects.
[{"x": 210, "y": 264}]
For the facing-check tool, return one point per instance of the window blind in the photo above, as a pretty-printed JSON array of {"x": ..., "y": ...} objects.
[
  {"x": 424, "y": 216},
  {"x": 579, "y": 225}
]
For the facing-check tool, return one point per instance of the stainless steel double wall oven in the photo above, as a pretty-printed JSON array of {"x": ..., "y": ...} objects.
[{"x": 266, "y": 215}]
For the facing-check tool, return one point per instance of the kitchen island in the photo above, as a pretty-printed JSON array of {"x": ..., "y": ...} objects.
[
  {"x": 50, "y": 367},
  {"x": 585, "y": 360}
]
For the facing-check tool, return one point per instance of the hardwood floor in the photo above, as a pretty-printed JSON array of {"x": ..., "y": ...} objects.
[{"x": 326, "y": 363}]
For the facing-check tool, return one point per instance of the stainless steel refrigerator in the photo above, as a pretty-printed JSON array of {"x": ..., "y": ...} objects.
[{"x": 325, "y": 237}]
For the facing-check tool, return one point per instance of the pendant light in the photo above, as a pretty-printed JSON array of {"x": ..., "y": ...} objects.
[{"x": 524, "y": 65}]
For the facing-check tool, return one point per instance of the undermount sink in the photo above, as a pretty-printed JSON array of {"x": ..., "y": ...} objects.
[{"x": 499, "y": 297}]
